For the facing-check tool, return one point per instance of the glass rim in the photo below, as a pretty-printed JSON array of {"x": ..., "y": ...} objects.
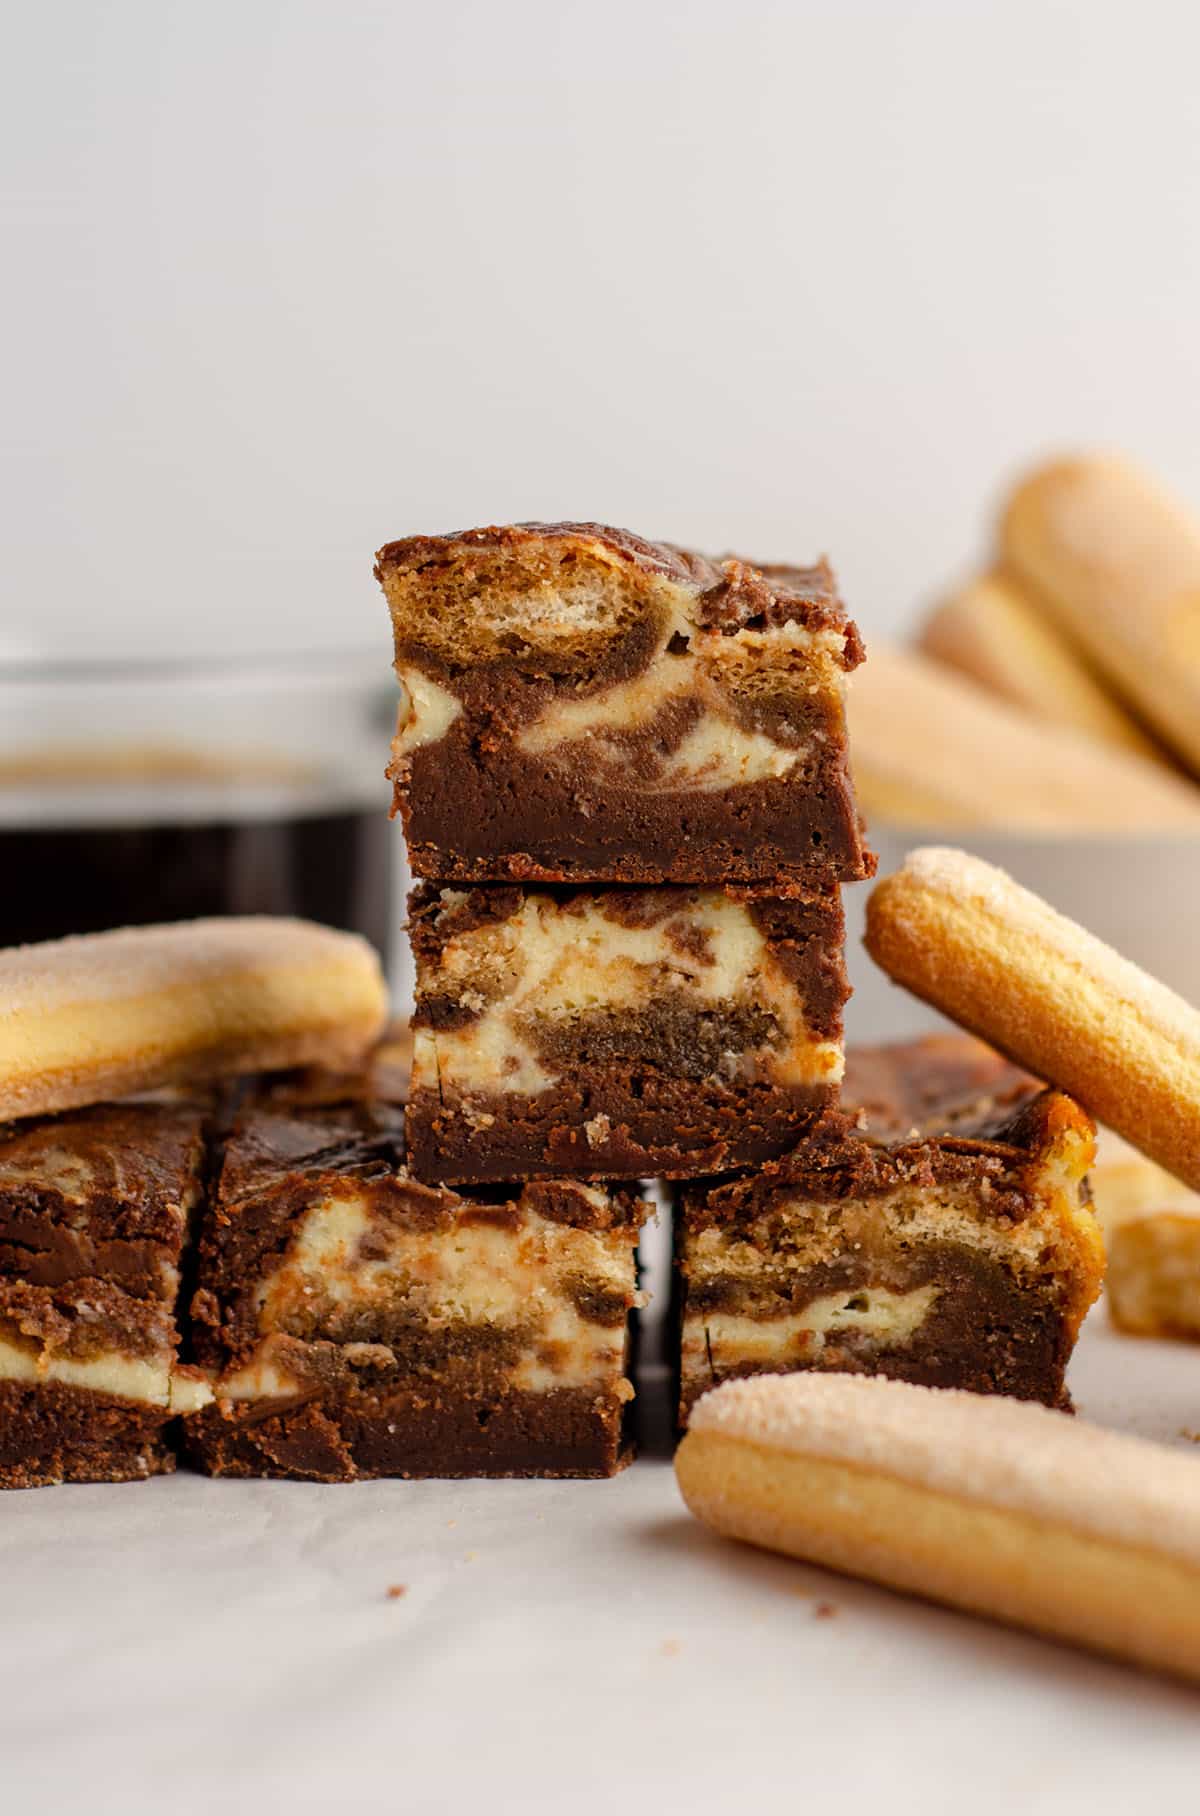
[{"x": 334, "y": 661}]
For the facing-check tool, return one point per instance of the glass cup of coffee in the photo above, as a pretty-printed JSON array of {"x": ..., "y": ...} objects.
[{"x": 136, "y": 792}]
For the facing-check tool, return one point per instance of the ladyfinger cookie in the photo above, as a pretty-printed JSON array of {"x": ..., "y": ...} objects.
[
  {"x": 930, "y": 748},
  {"x": 1117, "y": 562},
  {"x": 998, "y": 1507},
  {"x": 993, "y": 632},
  {"x": 103, "y": 1015},
  {"x": 1003, "y": 964}
]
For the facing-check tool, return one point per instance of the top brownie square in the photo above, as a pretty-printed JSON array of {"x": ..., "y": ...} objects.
[{"x": 581, "y": 705}]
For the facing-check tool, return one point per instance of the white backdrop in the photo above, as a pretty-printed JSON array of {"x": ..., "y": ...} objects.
[{"x": 285, "y": 279}]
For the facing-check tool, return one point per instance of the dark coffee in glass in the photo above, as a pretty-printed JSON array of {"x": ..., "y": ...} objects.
[
  {"x": 151, "y": 794},
  {"x": 324, "y": 867}
]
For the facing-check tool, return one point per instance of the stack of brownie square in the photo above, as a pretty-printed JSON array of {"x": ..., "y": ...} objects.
[
  {"x": 623, "y": 774},
  {"x": 622, "y": 770},
  {"x": 623, "y": 777}
]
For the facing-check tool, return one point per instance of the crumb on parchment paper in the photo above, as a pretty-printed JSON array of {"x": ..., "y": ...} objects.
[{"x": 396, "y": 1590}]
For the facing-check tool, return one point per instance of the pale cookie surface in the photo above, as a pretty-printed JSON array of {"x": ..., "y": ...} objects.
[
  {"x": 103, "y": 1015},
  {"x": 992, "y": 631},
  {"x": 929, "y": 747},
  {"x": 1117, "y": 563},
  {"x": 1001, "y": 1508},
  {"x": 1151, "y": 1225},
  {"x": 998, "y": 960}
]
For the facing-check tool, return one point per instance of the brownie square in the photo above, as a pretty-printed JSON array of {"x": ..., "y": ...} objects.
[
  {"x": 619, "y": 1033},
  {"x": 582, "y": 705},
  {"x": 938, "y": 1230},
  {"x": 95, "y": 1208},
  {"x": 357, "y": 1323}
]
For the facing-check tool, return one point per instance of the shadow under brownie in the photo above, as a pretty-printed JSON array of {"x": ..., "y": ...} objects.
[{"x": 938, "y": 1230}]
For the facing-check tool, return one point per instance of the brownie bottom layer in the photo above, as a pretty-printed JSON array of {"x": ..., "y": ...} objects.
[
  {"x": 417, "y": 1431},
  {"x": 987, "y": 1333},
  {"x": 898, "y": 1365},
  {"x": 480, "y": 814},
  {"x": 50, "y": 1433},
  {"x": 606, "y": 1125}
]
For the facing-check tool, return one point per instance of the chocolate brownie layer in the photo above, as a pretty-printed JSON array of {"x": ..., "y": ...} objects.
[
  {"x": 429, "y": 1429},
  {"x": 619, "y": 1033},
  {"x": 50, "y": 1433},
  {"x": 939, "y": 1232},
  {"x": 357, "y": 1322},
  {"x": 615, "y": 1122},
  {"x": 582, "y": 705},
  {"x": 100, "y": 1194},
  {"x": 95, "y": 1208}
]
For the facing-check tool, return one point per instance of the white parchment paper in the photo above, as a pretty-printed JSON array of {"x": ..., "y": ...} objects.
[{"x": 186, "y": 1645}]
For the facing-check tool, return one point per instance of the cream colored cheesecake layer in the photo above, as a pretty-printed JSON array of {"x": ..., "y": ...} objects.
[
  {"x": 266, "y": 1376},
  {"x": 521, "y": 1280},
  {"x": 153, "y": 1383},
  {"x": 427, "y": 711},
  {"x": 723, "y": 1340},
  {"x": 717, "y": 752},
  {"x": 543, "y": 966}
]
